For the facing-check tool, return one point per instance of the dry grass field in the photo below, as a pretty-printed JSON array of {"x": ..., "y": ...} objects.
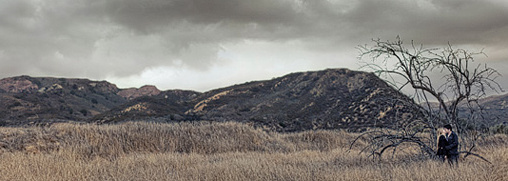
[{"x": 218, "y": 151}]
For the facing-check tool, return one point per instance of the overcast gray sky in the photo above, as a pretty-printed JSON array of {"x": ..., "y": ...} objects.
[{"x": 207, "y": 44}]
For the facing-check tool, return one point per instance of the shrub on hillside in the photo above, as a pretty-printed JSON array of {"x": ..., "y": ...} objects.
[{"x": 499, "y": 129}]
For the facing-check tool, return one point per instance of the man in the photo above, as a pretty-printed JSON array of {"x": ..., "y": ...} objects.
[{"x": 452, "y": 153}]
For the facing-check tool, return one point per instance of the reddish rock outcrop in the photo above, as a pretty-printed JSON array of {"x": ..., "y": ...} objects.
[
  {"x": 25, "y": 99},
  {"x": 132, "y": 93},
  {"x": 17, "y": 85}
]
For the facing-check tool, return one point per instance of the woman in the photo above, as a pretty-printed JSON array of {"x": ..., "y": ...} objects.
[{"x": 441, "y": 143}]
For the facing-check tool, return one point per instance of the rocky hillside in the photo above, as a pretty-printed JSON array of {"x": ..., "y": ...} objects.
[
  {"x": 170, "y": 105},
  {"x": 334, "y": 98},
  {"x": 132, "y": 93},
  {"x": 328, "y": 99},
  {"x": 26, "y": 99}
]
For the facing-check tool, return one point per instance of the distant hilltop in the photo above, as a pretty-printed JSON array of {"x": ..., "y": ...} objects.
[{"x": 327, "y": 99}]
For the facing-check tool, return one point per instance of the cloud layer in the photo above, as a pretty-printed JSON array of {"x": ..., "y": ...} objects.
[{"x": 203, "y": 44}]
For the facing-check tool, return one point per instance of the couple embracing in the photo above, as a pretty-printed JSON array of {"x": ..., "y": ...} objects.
[{"x": 448, "y": 145}]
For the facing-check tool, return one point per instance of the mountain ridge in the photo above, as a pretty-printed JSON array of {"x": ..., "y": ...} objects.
[
  {"x": 295, "y": 102},
  {"x": 326, "y": 99}
]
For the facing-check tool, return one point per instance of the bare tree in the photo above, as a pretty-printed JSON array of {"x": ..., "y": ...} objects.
[{"x": 443, "y": 80}]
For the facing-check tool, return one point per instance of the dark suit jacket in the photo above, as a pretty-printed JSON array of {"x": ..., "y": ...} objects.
[
  {"x": 453, "y": 144},
  {"x": 441, "y": 143}
]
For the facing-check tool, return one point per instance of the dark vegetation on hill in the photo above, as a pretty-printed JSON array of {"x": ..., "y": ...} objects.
[
  {"x": 26, "y": 99},
  {"x": 328, "y": 99},
  {"x": 495, "y": 109},
  {"x": 493, "y": 113},
  {"x": 169, "y": 105}
]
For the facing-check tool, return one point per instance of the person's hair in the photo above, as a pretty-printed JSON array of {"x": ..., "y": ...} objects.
[
  {"x": 441, "y": 131},
  {"x": 448, "y": 127}
]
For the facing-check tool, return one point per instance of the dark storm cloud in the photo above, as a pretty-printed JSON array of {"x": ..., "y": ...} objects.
[
  {"x": 42, "y": 32},
  {"x": 458, "y": 21},
  {"x": 151, "y": 15},
  {"x": 96, "y": 38}
]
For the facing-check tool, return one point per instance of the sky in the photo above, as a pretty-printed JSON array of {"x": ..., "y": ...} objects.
[{"x": 207, "y": 44}]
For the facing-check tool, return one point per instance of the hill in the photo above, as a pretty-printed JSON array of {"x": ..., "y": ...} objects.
[
  {"x": 27, "y": 99},
  {"x": 329, "y": 99},
  {"x": 169, "y": 105},
  {"x": 494, "y": 110},
  {"x": 490, "y": 111}
]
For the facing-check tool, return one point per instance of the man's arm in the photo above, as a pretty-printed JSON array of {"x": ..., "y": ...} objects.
[{"x": 454, "y": 142}]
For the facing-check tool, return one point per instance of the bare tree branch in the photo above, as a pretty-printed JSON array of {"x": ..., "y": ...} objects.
[{"x": 464, "y": 84}]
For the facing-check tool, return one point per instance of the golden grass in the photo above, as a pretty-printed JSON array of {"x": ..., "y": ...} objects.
[{"x": 217, "y": 151}]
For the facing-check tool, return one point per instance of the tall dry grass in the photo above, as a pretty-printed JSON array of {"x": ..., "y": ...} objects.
[{"x": 217, "y": 151}]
